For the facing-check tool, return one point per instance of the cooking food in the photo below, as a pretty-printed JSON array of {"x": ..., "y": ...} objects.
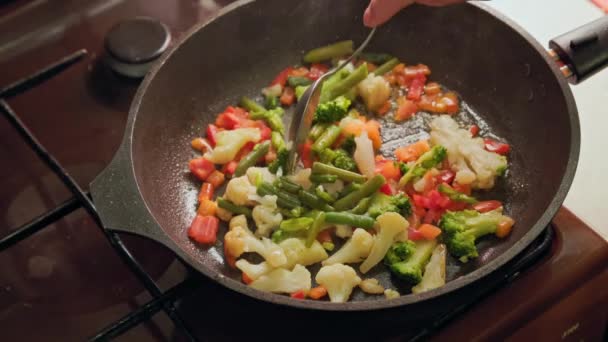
[{"x": 348, "y": 208}]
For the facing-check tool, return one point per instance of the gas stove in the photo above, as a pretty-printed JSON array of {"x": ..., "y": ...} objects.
[{"x": 63, "y": 277}]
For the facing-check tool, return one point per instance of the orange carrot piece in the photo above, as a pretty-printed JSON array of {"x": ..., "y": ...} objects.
[
  {"x": 505, "y": 227},
  {"x": 216, "y": 178},
  {"x": 372, "y": 127},
  {"x": 207, "y": 208},
  {"x": 206, "y": 192},
  {"x": 385, "y": 108},
  {"x": 317, "y": 292},
  {"x": 412, "y": 152},
  {"x": 428, "y": 231}
]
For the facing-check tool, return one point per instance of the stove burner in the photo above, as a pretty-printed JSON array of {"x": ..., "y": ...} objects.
[{"x": 133, "y": 45}]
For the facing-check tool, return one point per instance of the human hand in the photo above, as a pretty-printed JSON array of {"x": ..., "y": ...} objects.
[{"x": 380, "y": 11}]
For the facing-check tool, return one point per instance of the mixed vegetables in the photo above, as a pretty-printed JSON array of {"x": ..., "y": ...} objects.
[{"x": 406, "y": 213}]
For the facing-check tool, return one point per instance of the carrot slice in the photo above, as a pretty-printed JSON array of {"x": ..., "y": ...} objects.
[
  {"x": 385, "y": 108},
  {"x": 428, "y": 231},
  {"x": 204, "y": 229},
  {"x": 216, "y": 178},
  {"x": 412, "y": 152},
  {"x": 207, "y": 208},
  {"x": 505, "y": 227},
  {"x": 372, "y": 127},
  {"x": 317, "y": 292}
]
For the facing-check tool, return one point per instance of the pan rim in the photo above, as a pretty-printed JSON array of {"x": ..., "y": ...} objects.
[{"x": 449, "y": 287}]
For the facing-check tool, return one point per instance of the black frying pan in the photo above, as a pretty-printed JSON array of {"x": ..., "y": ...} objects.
[{"x": 500, "y": 71}]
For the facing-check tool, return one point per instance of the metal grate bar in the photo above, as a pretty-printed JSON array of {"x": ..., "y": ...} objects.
[
  {"x": 70, "y": 183},
  {"x": 39, "y": 223},
  {"x": 42, "y": 75},
  {"x": 144, "y": 312}
]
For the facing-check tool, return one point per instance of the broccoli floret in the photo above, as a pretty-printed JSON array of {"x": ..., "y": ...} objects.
[
  {"x": 403, "y": 167},
  {"x": 461, "y": 229},
  {"x": 349, "y": 145},
  {"x": 382, "y": 203},
  {"x": 274, "y": 118},
  {"x": 426, "y": 162},
  {"x": 398, "y": 252},
  {"x": 415, "y": 256},
  {"x": 344, "y": 161},
  {"x": 332, "y": 111},
  {"x": 280, "y": 161}
]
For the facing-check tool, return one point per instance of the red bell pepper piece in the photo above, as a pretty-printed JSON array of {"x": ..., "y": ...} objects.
[
  {"x": 211, "y": 134},
  {"x": 496, "y": 146},
  {"x": 281, "y": 78},
  {"x": 230, "y": 167},
  {"x": 288, "y": 97},
  {"x": 429, "y": 231},
  {"x": 201, "y": 168},
  {"x": 265, "y": 131},
  {"x": 474, "y": 130},
  {"x": 244, "y": 151},
  {"x": 316, "y": 71},
  {"x": 204, "y": 229},
  {"x": 485, "y": 206},
  {"x": 386, "y": 189},
  {"x": 231, "y": 118},
  {"x": 416, "y": 87},
  {"x": 301, "y": 294},
  {"x": 414, "y": 235},
  {"x": 306, "y": 153},
  {"x": 432, "y": 216},
  {"x": 446, "y": 176}
]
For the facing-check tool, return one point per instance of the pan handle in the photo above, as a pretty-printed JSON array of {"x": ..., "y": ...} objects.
[
  {"x": 117, "y": 200},
  {"x": 583, "y": 51}
]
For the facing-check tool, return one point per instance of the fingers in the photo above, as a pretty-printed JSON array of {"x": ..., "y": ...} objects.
[{"x": 379, "y": 11}]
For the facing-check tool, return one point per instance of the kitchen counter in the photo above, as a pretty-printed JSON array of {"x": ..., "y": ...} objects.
[{"x": 545, "y": 19}]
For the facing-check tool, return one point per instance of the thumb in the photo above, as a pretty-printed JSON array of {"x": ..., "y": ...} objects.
[{"x": 380, "y": 11}]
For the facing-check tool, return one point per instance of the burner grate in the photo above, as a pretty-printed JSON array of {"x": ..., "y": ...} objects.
[{"x": 166, "y": 300}]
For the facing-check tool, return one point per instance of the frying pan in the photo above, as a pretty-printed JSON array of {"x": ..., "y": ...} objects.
[{"x": 509, "y": 80}]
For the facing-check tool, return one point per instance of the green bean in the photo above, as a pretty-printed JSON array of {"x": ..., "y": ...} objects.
[
  {"x": 271, "y": 102},
  {"x": 277, "y": 141},
  {"x": 319, "y": 178},
  {"x": 386, "y": 67},
  {"x": 315, "y": 228},
  {"x": 284, "y": 199},
  {"x": 362, "y": 206},
  {"x": 316, "y": 131},
  {"x": 233, "y": 208},
  {"x": 328, "y": 52},
  {"x": 455, "y": 195},
  {"x": 344, "y": 86},
  {"x": 349, "y": 188},
  {"x": 326, "y": 139},
  {"x": 376, "y": 58},
  {"x": 289, "y": 186},
  {"x": 328, "y": 246},
  {"x": 368, "y": 188},
  {"x": 313, "y": 201},
  {"x": 293, "y": 225},
  {"x": 252, "y": 158},
  {"x": 324, "y": 195},
  {"x": 292, "y": 213},
  {"x": 251, "y": 105},
  {"x": 295, "y": 81},
  {"x": 344, "y": 175},
  {"x": 359, "y": 221},
  {"x": 271, "y": 117}
]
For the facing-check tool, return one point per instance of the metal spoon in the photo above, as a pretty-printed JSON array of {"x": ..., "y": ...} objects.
[{"x": 305, "y": 109}]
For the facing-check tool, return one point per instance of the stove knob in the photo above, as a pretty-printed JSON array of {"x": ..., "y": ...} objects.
[{"x": 133, "y": 45}]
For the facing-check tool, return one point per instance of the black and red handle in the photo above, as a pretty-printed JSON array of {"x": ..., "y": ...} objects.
[{"x": 583, "y": 50}]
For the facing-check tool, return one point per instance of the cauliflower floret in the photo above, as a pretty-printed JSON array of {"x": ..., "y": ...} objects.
[
  {"x": 339, "y": 280},
  {"x": 241, "y": 240},
  {"x": 356, "y": 249},
  {"x": 302, "y": 177},
  {"x": 281, "y": 280},
  {"x": 375, "y": 91},
  {"x": 364, "y": 155},
  {"x": 467, "y": 155},
  {"x": 238, "y": 221},
  {"x": 389, "y": 225},
  {"x": 229, "y": 143},
  {"x": 434, "y": 272},
  {"x": 343, "y": 231},
  {"x": 391, "y": 294},
  {"x": 297, "y": 252},
  {"x": 253, "y": 271},
  {"x": 239, "y": 190},
  {"x": 334, "y": 188},
  {"x": 371, "y": 286},
  {"x": 266, "y": 216},
  {"x": 259, "y": 173}
]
